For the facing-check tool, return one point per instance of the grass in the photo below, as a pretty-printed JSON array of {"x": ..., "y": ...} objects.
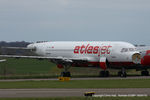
[
  {"x": 32, "y": 68},
  {"x": 117, "y": 83},
  {"x": 26, "y": 67},
  {"x": 81, "y": 98}
]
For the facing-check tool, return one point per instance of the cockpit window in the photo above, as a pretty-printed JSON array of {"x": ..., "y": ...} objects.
[
  {"x": 128, "y": 49},
  {"x": 131, "y": 49},
  {"x": 33, "y": 49},
  {"x": 124, "y": 50}
]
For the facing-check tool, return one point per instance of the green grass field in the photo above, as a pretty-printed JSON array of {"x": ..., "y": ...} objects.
[
  {"x": 26, "y": 66},
  {"x": 81, "y": 98},
  {"x": 33, "y": 68},
  {"x": 118, "y": 83}
]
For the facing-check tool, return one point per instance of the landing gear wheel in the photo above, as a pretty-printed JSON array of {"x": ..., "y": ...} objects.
[
  {"x": 104, "y": 73},
  {"x": 65, "y": 74},
  {"x": 119, "y": 73},
  {"x": 145, "y": 73},
  {"x": 122, "y": 74}
]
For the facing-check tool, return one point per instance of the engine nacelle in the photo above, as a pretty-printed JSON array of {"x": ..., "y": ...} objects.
[
  {"x": 103, "y": 63},
  {"x": 136, "y": 58},
  {"x": 146, "y": 59}
]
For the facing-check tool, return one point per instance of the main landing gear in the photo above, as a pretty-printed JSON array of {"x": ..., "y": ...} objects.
[
  {"x": 122, "y": 73},
  {"x": 145, "y": 73},
  {"x": 66, "y": 73},
  {"x": 104, "y": 73}
]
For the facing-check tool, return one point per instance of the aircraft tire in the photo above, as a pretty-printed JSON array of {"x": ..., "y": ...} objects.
[
  {"x": 104, "y": 73},
  {"x": 142, "y": 73},
  {"x": 68, "y": 74},
  {"x": 145, "y": 73},
  {"x": 121, "y": 74},
  {"x": 124, "y": 74},
  {"x": 65, "y": 74}
]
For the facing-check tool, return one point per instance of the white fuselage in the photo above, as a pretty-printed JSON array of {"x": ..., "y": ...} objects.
[{"x": 91, "y": 50}]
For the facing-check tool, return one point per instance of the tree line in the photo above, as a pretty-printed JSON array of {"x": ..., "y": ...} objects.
[
  {"x": 14, "y": 44},
  {"x": 9, "y": 51}
]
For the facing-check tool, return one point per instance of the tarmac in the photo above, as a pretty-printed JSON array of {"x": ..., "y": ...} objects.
[
  {"x": 10, "y": 93},
  {"x": 51, "y": 92}
]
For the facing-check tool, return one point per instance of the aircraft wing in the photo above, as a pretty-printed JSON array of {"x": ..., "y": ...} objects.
[
  {"x": 24, "y": 48},
  {"x": 2, "y": 60},
  {"x": 53, "y": 59}
]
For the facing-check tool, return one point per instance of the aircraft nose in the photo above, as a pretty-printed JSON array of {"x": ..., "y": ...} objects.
[
  {"x": 32, "y": 47},
  {"x": 136, "y": 58}
]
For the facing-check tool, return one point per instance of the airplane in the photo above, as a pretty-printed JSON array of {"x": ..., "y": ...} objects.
[{"x": 95, "y": 54}]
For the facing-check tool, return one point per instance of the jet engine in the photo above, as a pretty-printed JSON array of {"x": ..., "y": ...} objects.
[
  {"x": 136, "y": 58},
  {"x": 146, "y": 59}
]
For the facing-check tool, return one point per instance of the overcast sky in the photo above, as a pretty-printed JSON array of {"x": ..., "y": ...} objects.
[{"x": 54, "y": 20}]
